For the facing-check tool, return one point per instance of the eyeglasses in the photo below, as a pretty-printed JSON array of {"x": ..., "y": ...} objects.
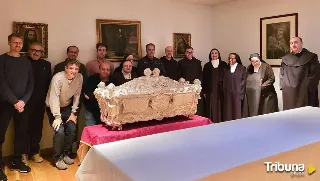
[{"x": 37, "y": 51}]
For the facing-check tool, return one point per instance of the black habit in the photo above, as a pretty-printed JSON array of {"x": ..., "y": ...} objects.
[
  {"x": 118, "y": 78},
  {"x": 171, "y": 67},
  {"x": 299, "y": 80},
  {"x": 190, "y": 69},
  {"x": 233, "y": 92},
  {"x": 119, "y": 69},
  {"x": 212, "y": 89},
  {"x": 261, "y": 97}
]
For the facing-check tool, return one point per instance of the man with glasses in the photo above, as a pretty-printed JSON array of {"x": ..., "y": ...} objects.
[
  {"x": 36, "y": 105},
  {"x": 16, "y": 86}
]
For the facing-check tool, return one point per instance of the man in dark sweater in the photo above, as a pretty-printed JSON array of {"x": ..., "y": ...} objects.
[
  {"x": 92, "y": 110},
  {"x": 149, "y": 61},
  {"x": 170, "y": 64},
  {"x": 16, "y": 86},
  {"x": 36, "y": 105}
]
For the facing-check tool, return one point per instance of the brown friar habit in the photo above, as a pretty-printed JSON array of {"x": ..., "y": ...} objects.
[
  {"x": 233, "y": 92},
  {"x": 299, "y": 80},
  {"x": 212, "y": 88},
  {"x": 261, "y": 97}
]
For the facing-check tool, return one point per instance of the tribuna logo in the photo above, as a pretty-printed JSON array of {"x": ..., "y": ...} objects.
[{"x": 294, "y": 169}]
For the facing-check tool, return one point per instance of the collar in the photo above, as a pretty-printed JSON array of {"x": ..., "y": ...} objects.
[{"x": 234, "y": 65}]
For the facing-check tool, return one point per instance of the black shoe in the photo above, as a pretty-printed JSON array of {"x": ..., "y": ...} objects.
[
  {"x": 21, "y": 167},
  {"x": 3, "y": 176}
]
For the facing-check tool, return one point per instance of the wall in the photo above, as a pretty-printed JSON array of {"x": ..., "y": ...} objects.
[
  {"x": 73, "y": 22},
  {"x": 237, "y": 26}
]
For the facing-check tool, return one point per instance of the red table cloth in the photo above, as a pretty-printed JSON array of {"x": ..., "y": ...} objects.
[{"x": 99, "y": 134}]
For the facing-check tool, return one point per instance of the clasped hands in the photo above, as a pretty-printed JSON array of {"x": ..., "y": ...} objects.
[
  {"x": 19, "y": 106},
  {"x": 57, "y": 122}
]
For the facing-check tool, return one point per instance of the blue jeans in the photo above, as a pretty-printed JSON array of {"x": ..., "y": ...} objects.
[
  {"x": 65, "y": 135},
  {"x": 89, "y": 118}
]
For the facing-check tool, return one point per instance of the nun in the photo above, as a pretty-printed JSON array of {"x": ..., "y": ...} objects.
[
  {"x": 212, "y": 86},
  {"x": 260, "y": 97},
  {"x": 234, "y": 81}
]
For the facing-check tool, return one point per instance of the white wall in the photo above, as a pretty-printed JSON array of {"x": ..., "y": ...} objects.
[
  {"x": 73, "y": 22},
  {"x": 237, "y": 26}
]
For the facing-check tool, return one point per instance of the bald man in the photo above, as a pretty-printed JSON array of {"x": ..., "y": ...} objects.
[
  {"x": 298, "y": 77},
  {"x": 92, "y": 110},
  {"x": 170, "y": 64}
]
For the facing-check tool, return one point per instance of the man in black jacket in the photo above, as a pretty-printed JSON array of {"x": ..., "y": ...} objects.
[
  {"x": 36, "y": 106},
  {"x": 150, "y": 61},
  {"x": 16, "y": 86},
  {"x": 170, "y": 64}
]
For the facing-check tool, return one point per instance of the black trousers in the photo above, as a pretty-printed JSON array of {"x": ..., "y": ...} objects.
[
  {"x": 35, "y": 121},
  {"x": 7, "y": 111},
  {"x": 64, "y": 137}
]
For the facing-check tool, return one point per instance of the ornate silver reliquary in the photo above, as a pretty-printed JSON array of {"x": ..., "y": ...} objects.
[{"x": 147, "y": 98}]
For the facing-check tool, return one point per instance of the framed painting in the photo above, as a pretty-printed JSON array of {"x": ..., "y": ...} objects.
[
  {"x": 275, "y": 35},
  {"x": 121, "y": 37},
  {"x": 32, "y": 32},
  {"x": 180, "y": 43}
]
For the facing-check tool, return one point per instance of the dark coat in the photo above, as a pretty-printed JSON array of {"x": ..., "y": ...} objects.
[
  {"x": 233, "y": 92},
  {"x": 212, "y": 89},
  {"x": 299, "y": 80}
]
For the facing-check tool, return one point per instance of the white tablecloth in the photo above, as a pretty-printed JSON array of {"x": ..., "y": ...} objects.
[{"x": 191, "y": 154}]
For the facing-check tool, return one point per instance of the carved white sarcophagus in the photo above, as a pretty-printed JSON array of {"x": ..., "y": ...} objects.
[{"x": 146, "y": 98}]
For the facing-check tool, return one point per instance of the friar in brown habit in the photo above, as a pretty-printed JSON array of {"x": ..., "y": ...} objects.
[
  {"x": 261, "y": 97},
  {"x": 234, "y": 81},
  {"x": 212, "y": 86},
  {"x": 298, "y": 77}
]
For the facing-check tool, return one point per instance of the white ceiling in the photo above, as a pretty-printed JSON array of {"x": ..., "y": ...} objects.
[{"x": 205, "y": 2}]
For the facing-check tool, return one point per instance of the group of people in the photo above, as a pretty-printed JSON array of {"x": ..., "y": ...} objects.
[{"x": 230, "y": 91}]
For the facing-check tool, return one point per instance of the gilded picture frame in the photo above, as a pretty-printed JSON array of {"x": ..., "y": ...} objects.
[
  {"x": 122, "y": 37},
  {"x": 180, "y": 42},
  {"x": 32, "y": 32},
  {"x": 275, "y": 35}
]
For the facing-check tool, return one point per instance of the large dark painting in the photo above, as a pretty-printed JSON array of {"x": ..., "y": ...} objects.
[
  {"x": 275, "y": 35},
  {"x": 121, "y": 37}
]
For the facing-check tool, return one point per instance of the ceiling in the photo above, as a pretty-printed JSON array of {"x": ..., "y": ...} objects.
[{"x": 205, "y": 2}]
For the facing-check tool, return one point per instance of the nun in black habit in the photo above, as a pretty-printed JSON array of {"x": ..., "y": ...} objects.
[
  {"x": 233, "y": 81},
  {"x": 261, "y": 97},
  {"x": 212, "y": 86}
]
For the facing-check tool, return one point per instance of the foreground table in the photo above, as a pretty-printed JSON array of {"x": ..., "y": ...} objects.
[
  {"x": 99, "y": 134},
  {"x": 224, "y": 151}
]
